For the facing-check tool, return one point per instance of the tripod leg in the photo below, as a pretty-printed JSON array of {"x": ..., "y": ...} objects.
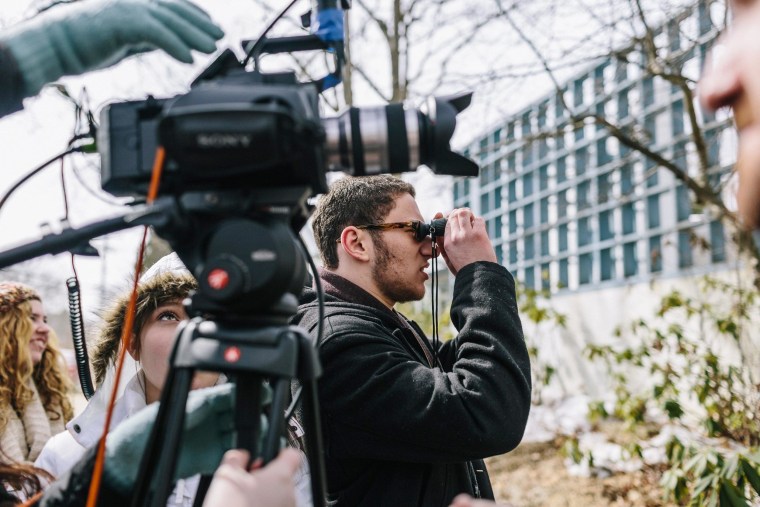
[
  {"x": 277, "y": 423},
  {"x": 160, "y": 458},
  {"x": 247, "y": 410},
  {"x": 314, "y": 446}
]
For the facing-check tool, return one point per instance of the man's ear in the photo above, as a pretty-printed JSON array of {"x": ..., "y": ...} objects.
[{"x": 355, "y": 243}]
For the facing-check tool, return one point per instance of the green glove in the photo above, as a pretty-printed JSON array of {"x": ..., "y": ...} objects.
[
  {"x": 207, "y": 435},
  {"x": 94, "y": 34}
]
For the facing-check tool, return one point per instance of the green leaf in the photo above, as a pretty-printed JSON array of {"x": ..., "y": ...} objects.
[
  {"x": 673, "y": 408},
  {"x": 752, "y": 475},
  {"x": 733, "y": 495}
]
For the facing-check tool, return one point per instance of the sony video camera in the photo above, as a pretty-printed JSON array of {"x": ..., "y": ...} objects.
[{"x": 239, "y": 128}]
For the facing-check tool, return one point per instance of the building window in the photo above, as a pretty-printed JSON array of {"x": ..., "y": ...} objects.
[
  {"x": 562, "y": 204},
  {"x": 513, "y": 221},
  {"x": 602, "y": 156},
  {"x": 529, "y": 250},
  {"x": 606, "y": 225},
  {"x": 629, "y": 218},
  {"x": 585, "y": 235},
  {"x": 683, "y": 203},
  {"x": 684, "y": 249},
  {"x": 581, "y": 161},
  {"x": 647, "y": 91},
  {"x": 546, "y": 277},
  {"x": 561, "y": 169},
  {"x": 584, "y": 194},
  {"x": 630, "y": 262},
  {"x": 528, "y": 216},
  {"x": 626, "y": 179},
  {"x": 650, "y": 171},
  {"x": 543, "y": 177},
  {"x": 494, "y": 227},
  {"x": 564, "y": 279},
  {"x": 497, "y": 197},
  {"x": 653, "y": 211},
  {"x": 527, "y": 155},
  {"x": 530, "y": 278},
  {"x": 650, "y": 127},
  {"x": 607, "y": 264},
  {"x": 622, "y": 105},
  {"x": 527, "y": 181},
  {"x": 562, "y": 237},
  {"x": 655, "y": 254},
  {"x": 603, "y": 187},
  {"x": 717, "y": 242},
  {"x": 585, "y": 268},
  {"x": 678, "y": 118},
  {"x": 544, "y": 243},
  {"x": 499, "y": 249},
  {"x": 578, "y": 92},
  {"x": 705, "y": 23},
  {"x": 512, "y": 253},
  {"x": 544, "y": 210},
  {"x": 484, "y": 206},
  {"x": 512, "y": 192}
]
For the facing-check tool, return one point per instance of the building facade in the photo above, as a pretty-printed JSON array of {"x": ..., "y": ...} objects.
[{"x": 571, "y": 207}]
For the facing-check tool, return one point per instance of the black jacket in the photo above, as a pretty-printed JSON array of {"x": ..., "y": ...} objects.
[{"x": 399, "y": 432}]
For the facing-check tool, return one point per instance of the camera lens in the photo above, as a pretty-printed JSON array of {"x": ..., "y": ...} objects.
[{"x": 394, "y": 139}]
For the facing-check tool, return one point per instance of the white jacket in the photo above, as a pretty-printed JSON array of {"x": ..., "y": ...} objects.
[{"x": 62, "y": 451}]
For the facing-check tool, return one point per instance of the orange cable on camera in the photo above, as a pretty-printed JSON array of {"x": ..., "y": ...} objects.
[{"x": 126, "y": 336}]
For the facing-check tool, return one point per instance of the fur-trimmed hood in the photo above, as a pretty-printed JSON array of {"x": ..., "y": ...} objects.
[{"x": 162, "y": 288}]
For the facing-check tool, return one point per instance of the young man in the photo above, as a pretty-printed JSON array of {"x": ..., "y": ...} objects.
[{"x": 404, "y": 424}]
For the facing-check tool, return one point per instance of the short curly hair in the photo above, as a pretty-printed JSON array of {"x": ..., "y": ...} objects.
[{"x": 353, "y": 201}]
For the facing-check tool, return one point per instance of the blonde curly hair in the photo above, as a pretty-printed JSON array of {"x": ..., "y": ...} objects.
[{"x": 16, "y": 367}]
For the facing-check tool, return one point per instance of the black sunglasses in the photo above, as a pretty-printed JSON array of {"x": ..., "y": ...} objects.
[{"x": 420, "y": 230}]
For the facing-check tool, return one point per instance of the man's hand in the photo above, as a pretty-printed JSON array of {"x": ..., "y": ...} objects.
[
  {"x": 465, "y": 240},
  {"x": 467, "y": 501},
  {"x": 94, "y": 34},
  {"x": 271, "y": 486},
  {"x": 732, "y": 78}
]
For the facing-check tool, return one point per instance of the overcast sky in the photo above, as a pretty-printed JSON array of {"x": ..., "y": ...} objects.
[{"x": 43, "y": 128}]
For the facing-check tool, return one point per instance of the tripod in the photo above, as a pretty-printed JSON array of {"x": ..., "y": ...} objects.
[
  {"x": 249, "y": 272},
  {"x": 246, "y": 352}
]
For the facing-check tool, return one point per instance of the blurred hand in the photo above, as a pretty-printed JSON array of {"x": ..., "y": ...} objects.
[
  {"x": 465, "y": 240},
  {"x": 94, "y": 34},
  {"x": 732, "y": 78},
  {"x": 468, "y": 501},
  {"x": 271, "y": 486}
]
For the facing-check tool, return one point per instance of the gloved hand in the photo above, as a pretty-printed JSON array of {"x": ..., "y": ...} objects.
[
  {"x": 94, "y": 34},
  {"x": 207, "y": 434}
]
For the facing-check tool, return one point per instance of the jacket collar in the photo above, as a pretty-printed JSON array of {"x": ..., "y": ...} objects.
[{"x": 87, "y": 427}]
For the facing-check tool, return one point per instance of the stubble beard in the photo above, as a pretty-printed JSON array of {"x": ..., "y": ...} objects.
[{"x": 391, "y": 284}]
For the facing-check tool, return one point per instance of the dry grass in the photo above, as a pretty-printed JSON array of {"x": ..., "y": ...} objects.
[{"x": 534, "y": 475}]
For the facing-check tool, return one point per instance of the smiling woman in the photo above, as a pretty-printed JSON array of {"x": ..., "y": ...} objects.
[{"x": 33, "y": 402}]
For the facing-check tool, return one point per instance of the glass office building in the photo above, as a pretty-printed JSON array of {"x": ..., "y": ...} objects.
[{"x": 570, "y": 207}]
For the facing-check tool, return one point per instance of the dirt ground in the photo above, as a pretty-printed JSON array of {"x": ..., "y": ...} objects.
[{"x": 534, "y": 475}]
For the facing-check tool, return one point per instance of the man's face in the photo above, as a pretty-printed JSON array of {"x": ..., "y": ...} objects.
[{"x": 399, "y": 264}]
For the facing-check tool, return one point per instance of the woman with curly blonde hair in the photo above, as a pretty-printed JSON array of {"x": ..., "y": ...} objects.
[{"x": 34, "y": 405}]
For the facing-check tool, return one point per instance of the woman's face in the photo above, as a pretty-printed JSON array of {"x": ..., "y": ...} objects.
[
  {"x": 40, "y": 332},
  {"x": 156, "y": 342}
]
